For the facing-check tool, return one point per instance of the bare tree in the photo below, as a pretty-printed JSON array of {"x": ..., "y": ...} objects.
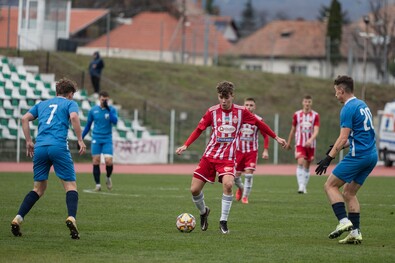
[{"x": 379, "y": 28}]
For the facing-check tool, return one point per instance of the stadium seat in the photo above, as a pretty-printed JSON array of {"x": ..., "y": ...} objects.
[
  {"x": 85, "y": 105},
  {"x": 3, "y": 94},
  {"x": 7, "y": 134},
  {"x": 12, "y": 124},
  {"x": 3, "y": 122},
  {"x": 7, "y": 104},
  {"x": 3, "y": 113},
  {"x": 71, "y": 135}
]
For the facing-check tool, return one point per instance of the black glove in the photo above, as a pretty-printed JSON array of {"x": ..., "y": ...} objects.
[
  {"x": 105, "y": 104},
  {"x": 323, "y": 165},
  {"x": 330, "y": 148}
]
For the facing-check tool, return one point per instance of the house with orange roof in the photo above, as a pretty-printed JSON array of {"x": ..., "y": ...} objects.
[
  {"x": 160, "y": 36},
  {"x": 300, "y": 47}
]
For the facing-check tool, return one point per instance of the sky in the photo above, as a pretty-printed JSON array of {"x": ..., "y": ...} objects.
[{"x": 307, "y": 9}]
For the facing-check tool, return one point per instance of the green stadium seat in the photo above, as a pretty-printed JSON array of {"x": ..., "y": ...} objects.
[
  {"x": 4, "y": 60},
  {"x": 47, "y": 85},
  {"x": 22, "y": 77},
  {"x": 30, "y": 102},
  {"x": 7, "y": 134},
  {"x": 37, "y": 77},
  {"x": 32, "y": 85}
]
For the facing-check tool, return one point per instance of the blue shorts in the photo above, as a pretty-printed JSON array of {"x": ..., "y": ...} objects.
[
  {"x": 101, "y": 147},
  {"x": 355, "y": 169},
  {"x": 59, "y": 157}
]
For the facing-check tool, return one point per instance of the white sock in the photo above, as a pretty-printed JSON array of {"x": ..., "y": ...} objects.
[
  {"x": 238, "y": 182},
  {"x": 199, "y": 203},
  {"x": 299, "y": 175},
  {"x": 306, "y": 176},
  {"x": 226, "y": 205},
  {"x": 247, "y": 185}
]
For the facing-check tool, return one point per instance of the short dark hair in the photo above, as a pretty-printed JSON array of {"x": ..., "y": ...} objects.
[
  {"x": 103, "y": 94},
  {"x": 346, "y": 82},
  {"x": 249, "y": 99},
  {"x": 225, "y": 88},
  {"x": 307, "y": 97},
  {"x": 64, "y": 86}
]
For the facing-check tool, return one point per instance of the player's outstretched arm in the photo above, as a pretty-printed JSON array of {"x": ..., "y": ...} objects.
[
  {"x": 281, "y": 141},
  {"x": 181, "y": 149}
]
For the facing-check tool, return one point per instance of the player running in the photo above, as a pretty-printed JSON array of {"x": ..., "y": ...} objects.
[
  {"x": 247, "y": 154},
  {"x": 226, "y": 120},
  {"x": 51, "y": 148}
]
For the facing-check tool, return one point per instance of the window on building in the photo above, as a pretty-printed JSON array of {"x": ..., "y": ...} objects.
[
  {"x": 298, "y": 69},
  {"x": 254, "y": 67}
]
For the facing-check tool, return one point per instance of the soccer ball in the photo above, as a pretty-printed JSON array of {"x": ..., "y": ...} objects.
[{"x": 186, "y": 222}]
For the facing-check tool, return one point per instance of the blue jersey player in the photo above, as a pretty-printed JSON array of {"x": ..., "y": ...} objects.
[
  {"x": 51, "y": 149},
  {"x": 104, "y": 116},
  {"x": 356, "y": 132}
]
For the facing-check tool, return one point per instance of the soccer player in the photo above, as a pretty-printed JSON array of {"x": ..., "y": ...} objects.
[
  {"x": 305, "y": 128},
  {"x": 247, "y": 154},
  {"x": 356, "y": 132},
  {"x": 225, "y": 120},
  {"x": 51, "y": 148},
  {"x": 104, "y": 116}
]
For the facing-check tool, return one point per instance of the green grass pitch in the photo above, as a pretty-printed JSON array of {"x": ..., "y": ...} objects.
[{"x": 135, "y": 222}]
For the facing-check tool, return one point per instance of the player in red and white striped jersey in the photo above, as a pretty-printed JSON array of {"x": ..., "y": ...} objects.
[
  {"x": 225, "y": 120},
  {"x": 305, "y": 128},
  {"x": 247, "y": 154}
]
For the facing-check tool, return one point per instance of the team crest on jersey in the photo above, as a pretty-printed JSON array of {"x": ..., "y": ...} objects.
[
  {"x": 227, "y": 129},
  {"x": 235, "y": 119},
  {"x": 106, "y": 116},
  {"x": 228, "y": 169}
]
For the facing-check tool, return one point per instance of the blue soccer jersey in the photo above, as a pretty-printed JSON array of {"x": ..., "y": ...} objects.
[
  {"x": 356, "y": 116},
  {"x": 53, "y": 120},
  {"x": 103, "y": 119}
]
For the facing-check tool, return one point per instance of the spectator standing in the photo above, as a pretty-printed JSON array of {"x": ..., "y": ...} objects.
[{"x": 95, "y": 68}]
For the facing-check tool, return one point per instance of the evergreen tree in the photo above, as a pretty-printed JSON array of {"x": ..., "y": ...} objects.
[
  {"x": 248, "y": 22},
  {"x": 210, "y": 8},
  {"x": 334, "y": 32}
]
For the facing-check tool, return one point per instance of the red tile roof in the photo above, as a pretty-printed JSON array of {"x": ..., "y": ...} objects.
[
  {"x": 80, "y": 18},
  {"x": 285, "y": 39},
  {"x": 157, "y": 31}
]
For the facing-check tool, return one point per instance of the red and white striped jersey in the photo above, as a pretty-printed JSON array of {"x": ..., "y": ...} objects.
[
  {"x": 304, "y": 126},
  {"x": 248, "y": 139},
  {"x": 225, "y": 129}
]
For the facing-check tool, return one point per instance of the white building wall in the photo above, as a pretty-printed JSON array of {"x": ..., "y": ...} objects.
[{"x": 314, "y": 68}]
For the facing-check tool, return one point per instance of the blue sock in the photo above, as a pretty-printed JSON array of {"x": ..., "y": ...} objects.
[
  {"x": 340, "y": 210},
  {"x": 72, "y": 203},
  {"x": 109, "y": 170},
  {"x": 27, "y": 204},
  {"x": 354, "y": 218},
  {"x": 96, "y": 173}
]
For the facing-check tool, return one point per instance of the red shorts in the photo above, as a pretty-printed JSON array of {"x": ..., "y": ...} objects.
[
  {"x": 245, "y": 161},
  {"x": 208, "y": 169},
  {"x": 306, "y": 153}
]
